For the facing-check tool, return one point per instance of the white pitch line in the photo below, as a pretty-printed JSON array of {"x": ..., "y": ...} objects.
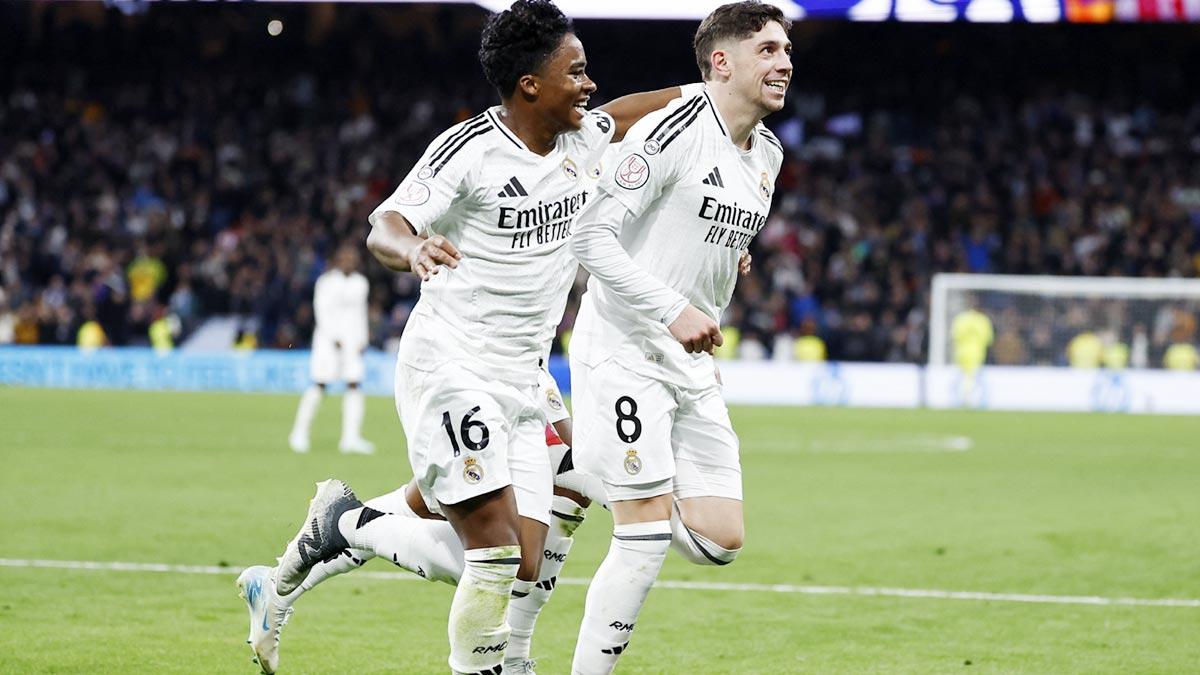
[{"x": 665, "y": 583}]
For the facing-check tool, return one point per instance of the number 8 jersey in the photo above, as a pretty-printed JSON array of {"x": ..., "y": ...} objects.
[{"x": 688, "y": 202}]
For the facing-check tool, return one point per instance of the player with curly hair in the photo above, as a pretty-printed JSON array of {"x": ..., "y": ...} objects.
[{"x": 484, "y": 219}]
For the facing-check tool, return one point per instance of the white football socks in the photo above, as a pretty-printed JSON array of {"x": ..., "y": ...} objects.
[
  {"x": 478, "y": 615},
  {"x": 429, "y": 548},
  {"x": 522, "y": 615},
  {"x": 572, "y": 479},
  {"x": 352, "y": 558},
  {"x": 309, "y": 402},
  {"x": 695, "y": 547},
  {"x": 529, "y": 597},
  {"x": 348, "y": 560},
  {"x": 353, "y": 404},
  {"x": 617, "y": 593}
]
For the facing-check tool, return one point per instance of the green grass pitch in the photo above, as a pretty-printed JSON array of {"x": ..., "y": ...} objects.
[{"x": 1084, "y": 505}]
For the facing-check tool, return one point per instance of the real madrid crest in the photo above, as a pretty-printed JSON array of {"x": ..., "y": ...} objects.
[
  {"x": 633, "y": 463},
  {"x": 596, "y": 171},
  {"x": 571, "y": 170},
  {"x": 472, "y": 471},
  {"x": 553, "y": 400},
  {"x": 652, "y": 147},
  {"x": 764, "y": 187},
  {"x": 425, "y": 173}
]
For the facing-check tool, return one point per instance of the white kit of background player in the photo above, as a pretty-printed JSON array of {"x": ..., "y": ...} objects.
[{"x": 339, "y": 340}]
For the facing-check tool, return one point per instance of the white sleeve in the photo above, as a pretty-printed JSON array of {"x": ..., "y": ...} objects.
[
  {"x": 433, "y": 184},
  {"x": 360, "y": 333},
  {"x": 323, "y": 301},
  {"x": 626, "y": 193},
  {"x": 597, "y": 247},
  {"x": 598, "y": 129}
]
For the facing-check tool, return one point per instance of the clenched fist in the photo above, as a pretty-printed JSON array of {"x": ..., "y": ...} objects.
[{"x": 696, "y": 331}]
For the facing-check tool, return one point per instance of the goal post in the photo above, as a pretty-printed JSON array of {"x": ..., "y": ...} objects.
[{"x": 1036, "y": 318}]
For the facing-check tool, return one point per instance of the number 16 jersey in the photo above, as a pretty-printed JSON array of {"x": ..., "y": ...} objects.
[{"x": 510, "y": 212}]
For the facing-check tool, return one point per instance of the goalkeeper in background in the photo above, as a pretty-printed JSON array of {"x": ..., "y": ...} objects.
[{"x": 972, "y": 335}]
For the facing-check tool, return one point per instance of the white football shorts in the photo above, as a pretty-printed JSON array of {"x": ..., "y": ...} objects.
[
  {"x": 328, "y": 363},
  {"x": 644, "y": 437},
  {"x": 551, "y": 398},
  {"x": 469, "y": 435}
]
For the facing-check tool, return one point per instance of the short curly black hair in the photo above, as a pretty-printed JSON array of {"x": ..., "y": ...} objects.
[{"x": 518, "y": 41}]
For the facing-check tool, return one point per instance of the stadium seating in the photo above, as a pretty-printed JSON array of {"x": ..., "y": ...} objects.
[{"x": 147, "y": 185}]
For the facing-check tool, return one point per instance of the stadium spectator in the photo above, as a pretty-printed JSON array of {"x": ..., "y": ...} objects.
[
  {"x": 809, "y": 347},
  {"x": 1181, "y": 356},
  {"x": 1116, "y": 353},
  {"x": 1085, "y": 350}
]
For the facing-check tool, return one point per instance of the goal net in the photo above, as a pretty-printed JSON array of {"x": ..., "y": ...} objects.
[{"x": 1085, "y": 322}]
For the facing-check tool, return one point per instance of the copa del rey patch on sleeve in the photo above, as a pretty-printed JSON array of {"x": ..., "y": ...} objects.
[
  {"x": 414, "y": 193},
  {"x": 633, "y": 172}
]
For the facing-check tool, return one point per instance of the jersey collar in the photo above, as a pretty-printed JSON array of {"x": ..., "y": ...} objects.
[
  {"x": 725, "y": 129},
  {"x": 493, "y": 114}
]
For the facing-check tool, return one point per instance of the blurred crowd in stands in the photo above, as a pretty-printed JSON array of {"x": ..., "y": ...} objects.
[{"x": 162, "y": 169}]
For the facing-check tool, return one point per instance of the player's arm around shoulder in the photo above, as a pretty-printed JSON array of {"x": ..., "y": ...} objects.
[
  {"x": 629, "y": 109},
  {"x": 652, "y": 158}
]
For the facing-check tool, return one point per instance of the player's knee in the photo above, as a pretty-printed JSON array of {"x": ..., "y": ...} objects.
[
  {"x": 573, "y": 495},
  {"x": 731, "y": 540},
  {"x": 706, "y": 548},
  {"x": 493, "y": 564},
  {"x": 567, "y": 513},
  {"x": 531, "y": 564}
]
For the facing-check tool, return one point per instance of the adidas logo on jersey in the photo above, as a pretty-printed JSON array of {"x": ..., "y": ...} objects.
[
  {"x": 714, "y": 178},
  {"x": 513, "y": 189}
]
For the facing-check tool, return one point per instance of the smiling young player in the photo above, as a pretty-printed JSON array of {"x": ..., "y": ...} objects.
[
  {"x": 505, "y": 186},
  {"x": 662, "y": 242}
]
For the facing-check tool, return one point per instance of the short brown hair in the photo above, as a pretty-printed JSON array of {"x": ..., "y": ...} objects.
[{"x": 737, "y": 21}]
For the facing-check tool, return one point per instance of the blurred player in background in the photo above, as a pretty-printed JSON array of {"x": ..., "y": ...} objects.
[
  {"x": 505, "y": 187},
  {"x": 339, "y": 340},
  {"x": 972, "y": 335},
  {"x": 662, "y": 242}
]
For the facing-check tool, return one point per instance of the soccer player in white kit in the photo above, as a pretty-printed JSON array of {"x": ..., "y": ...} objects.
[
  {"x": 339, "y": 340},
  {"x": 505, "y": 186},
  {"x": 662, "y": 242}
]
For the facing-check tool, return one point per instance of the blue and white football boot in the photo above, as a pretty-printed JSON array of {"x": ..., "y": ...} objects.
[{"x": 268, "y": 615}]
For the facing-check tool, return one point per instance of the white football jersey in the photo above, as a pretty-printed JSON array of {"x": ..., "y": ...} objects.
[
  {"x": 695, "y": 201},
  {"x": 340, "y": 308},
  {"x": 510, "y": 212}
]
